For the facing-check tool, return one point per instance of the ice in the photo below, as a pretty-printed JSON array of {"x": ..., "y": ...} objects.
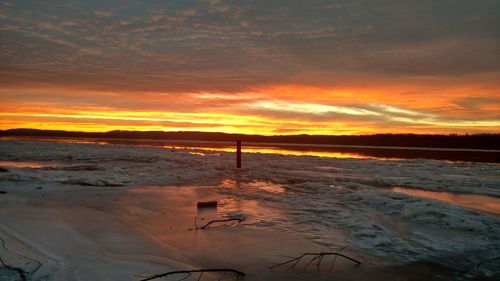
[{"x": 331, "y": 202}]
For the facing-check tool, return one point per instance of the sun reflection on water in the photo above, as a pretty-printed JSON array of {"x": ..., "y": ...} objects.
[
  {"x": 277, "y": 151},
  {"x": 22, "y": 164},
  {"x": 478, "y": 202},
  {"x": 261, "y": 185},
  {"x": 254, "y": 212}
]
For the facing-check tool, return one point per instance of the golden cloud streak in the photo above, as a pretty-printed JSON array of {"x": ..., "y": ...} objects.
[
  {"x": 210, "y": 122},
  {"x": 286, "y": 109}
]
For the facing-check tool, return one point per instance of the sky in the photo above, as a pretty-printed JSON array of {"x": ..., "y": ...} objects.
[{"x": 254, "y": 67}]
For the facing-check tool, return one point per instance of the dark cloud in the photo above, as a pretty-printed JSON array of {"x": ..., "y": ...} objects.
[{"x": 236, "y": 45}]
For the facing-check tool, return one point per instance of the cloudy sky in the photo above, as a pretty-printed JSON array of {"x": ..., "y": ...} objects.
[{"x": 267, "y": 67}]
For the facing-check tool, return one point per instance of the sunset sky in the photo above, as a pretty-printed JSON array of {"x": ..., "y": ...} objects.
[{"x": 265, "y": 67}]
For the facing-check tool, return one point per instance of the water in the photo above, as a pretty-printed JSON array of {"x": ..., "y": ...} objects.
[
  {"x": 483, "y": 203},
  {"x": 23, "y": 164},
  {"x": 330, "y": 151}
]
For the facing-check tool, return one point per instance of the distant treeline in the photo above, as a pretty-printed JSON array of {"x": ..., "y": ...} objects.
[{"x": 477, "y": 141}]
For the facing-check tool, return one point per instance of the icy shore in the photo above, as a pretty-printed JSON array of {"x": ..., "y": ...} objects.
[{"x": 322, "y": 202}]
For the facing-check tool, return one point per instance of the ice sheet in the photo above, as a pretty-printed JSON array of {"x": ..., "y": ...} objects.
[{"x": 330, "y": 202}]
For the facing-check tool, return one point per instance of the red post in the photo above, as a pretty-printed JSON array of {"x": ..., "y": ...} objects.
[{"x": 238, "y": 154}]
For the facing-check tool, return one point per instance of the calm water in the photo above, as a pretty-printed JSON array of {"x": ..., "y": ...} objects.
[
  {"x": 333, "y": 151},
  {"x": 22, "y": 164},
  {"x": 483, "y": 203}
]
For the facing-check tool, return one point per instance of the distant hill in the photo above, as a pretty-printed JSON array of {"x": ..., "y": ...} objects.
[{"x": 479, "y": 141}]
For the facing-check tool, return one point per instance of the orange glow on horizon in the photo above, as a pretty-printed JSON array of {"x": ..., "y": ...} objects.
[{"x": 275, "y": 110}]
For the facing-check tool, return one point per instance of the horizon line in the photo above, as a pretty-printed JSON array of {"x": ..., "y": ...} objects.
[{"x": 246, "y": 134}]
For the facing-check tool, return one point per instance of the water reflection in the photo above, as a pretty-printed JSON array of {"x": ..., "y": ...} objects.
[
  {"x": 330, "y": 151},
  {"x": 198, "y": 153},
  {"x": 256, "y": 213},
  {"x": 267, "y": 186},
  {"x": 262, "y": 185},
  {"x": 488, "y": 204},
  {"x": 178, "y": 206},
  {"x": 288, "y": 150},
  {"x": 22, "y": 164},
  {"x": 229, "y": 183},
  {"x": 278, "y": 151}
]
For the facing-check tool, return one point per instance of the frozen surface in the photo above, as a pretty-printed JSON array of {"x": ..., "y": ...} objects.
[{"x": 329, "y": 202}]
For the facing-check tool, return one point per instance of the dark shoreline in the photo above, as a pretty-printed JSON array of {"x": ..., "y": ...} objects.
[{"x": 483, "y": 141}]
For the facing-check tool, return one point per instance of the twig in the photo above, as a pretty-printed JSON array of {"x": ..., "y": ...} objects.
[
  {"x": 315, "y": 256},
  {"x": 335, "y": 258},
  {"x": 223, "y": 274},
  {"x": 186, "y": 277},
  {"x": 238, "y": 273},
  {"x": 318, "y": 265},
  {"x": 215, "y": 221},
  {"x": 333, "y": 264},
  {"x": 311, "y": 261}
]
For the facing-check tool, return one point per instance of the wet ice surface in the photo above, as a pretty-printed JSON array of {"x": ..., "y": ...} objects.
[{"x": 330, "y": 202}]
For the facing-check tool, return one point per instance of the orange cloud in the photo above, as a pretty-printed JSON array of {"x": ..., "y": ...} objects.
[{"x": 280, "y": 109}]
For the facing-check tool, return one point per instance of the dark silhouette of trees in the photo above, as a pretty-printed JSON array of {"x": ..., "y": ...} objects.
[{"x": 476, "y": 141}]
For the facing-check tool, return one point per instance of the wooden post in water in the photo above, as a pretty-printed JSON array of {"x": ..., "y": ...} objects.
[{"x": 238, "y": 154}]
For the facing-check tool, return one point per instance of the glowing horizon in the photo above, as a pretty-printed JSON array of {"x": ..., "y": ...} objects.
[{"x": 219, "y": 66}]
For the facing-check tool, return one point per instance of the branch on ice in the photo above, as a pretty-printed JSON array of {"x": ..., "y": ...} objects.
[
  {"x": 318, "y": 257},
  {"x": 239, "y": 275},
  {"x": 196, "y": 227}
]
